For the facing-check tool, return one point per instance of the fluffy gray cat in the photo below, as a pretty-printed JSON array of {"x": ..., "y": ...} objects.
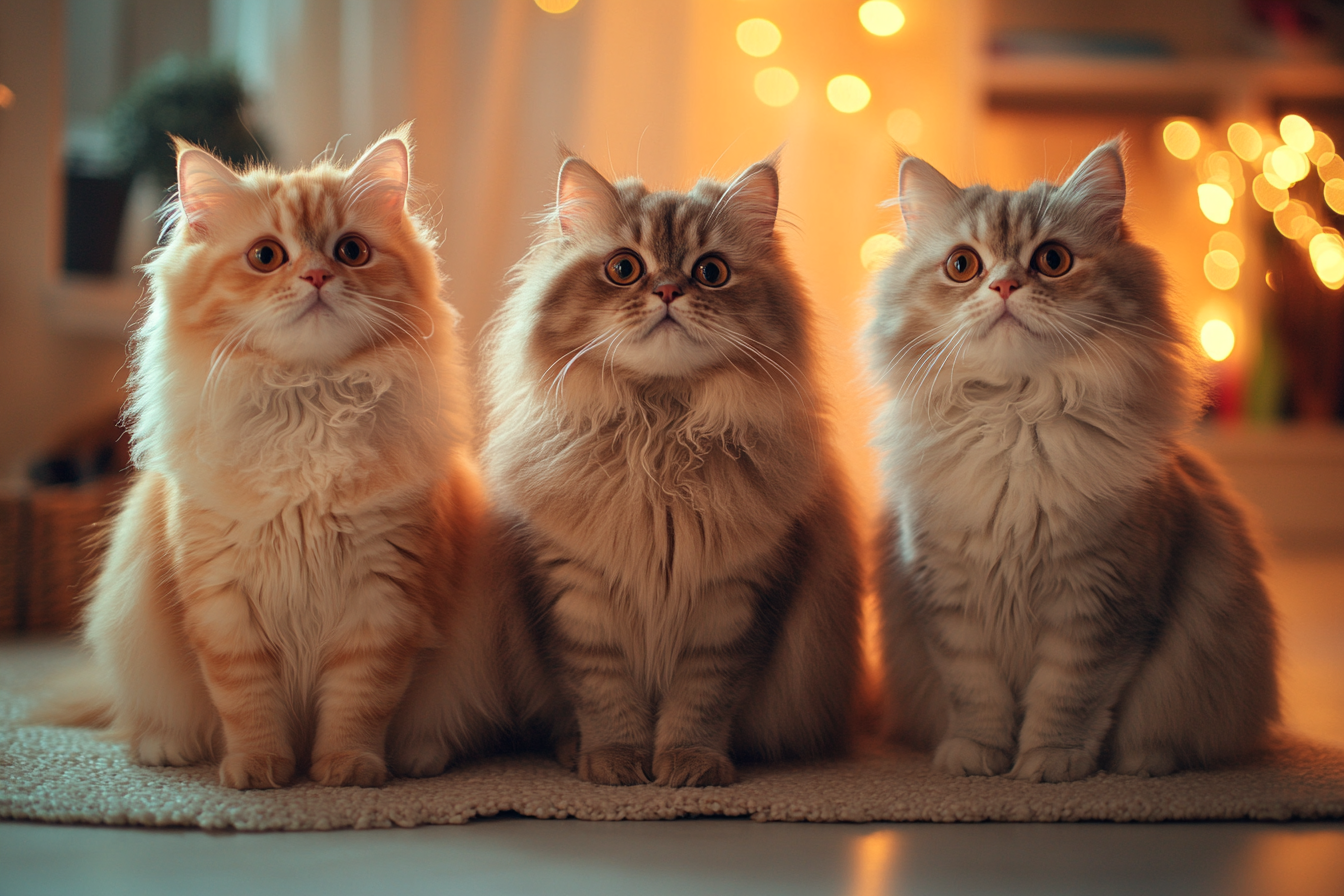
[
  {"x": 1065, "y": 584},
  {"x": 656, "y": 440}
]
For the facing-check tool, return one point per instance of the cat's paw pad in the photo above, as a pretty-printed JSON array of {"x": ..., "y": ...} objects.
[
  {"x": 157, "y": 748},
  {"x": 1144, "y": 763},
  {"x": 693, "y": 767},
  {"x": 962, "y": 756},
  {"x": 1053, "y": 765},
  {"x": 615, "y": 764},
  {"x": 256, "y": 771},
  {"x": 349, "y": 768},
  {"x": 421, "y": 759}
]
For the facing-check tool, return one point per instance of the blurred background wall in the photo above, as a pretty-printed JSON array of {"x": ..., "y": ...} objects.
[{"x": 1003, "y": 91}]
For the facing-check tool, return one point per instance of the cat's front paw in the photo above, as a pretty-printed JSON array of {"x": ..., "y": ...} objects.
[
  {"x": 160, "y": 748},
  {"x": 256, "y": 771},
  {"x": 615, "y": 764},
  {"x": 349, "y": 768},
  {"x": 962, "y": 756},
  {"x": 421, "y": 759},
  {"x": 1144, "y": 763},
  {"x": 693, "y": 767},
  {"x": 1053, "y": 765}
]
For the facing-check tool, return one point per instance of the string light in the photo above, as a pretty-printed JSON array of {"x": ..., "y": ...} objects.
[
  {"x": 1221, "y": 269},
  {"x": 848, "y": 93},
  {"x": 1215, "y": 202},
  {"x": 881, "y": 17},
  {"x": 1228, "y": 242},
  {"x": 1181, "y": 139},
  {"x": 776, "y": 86},
  {"x": 1327, "y": 258},
  {"x": 1288, "y": 163},
  {"x": 1271, "y": 198},
  {"x": 1245, "y": 141},
  {"x": 1297, "y": 132},
  {"x": 758, "y": 37},
  {"x": 1334, "y": 195},
  {"x": 557, "y": 6},
  {"x": 6, "y": 97},
  {"x": 1217, "y": 338}
]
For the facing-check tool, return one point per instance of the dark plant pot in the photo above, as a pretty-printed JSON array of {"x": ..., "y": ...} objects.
[{"x": 93, "y": 212}]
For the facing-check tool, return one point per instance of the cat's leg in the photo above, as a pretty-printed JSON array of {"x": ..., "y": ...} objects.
[
  {"x": 134, "y": 631},
  {"x": 1083, "y": 662},
  {"x": 613, "y": 714},
  {"x": 803, "y": 702},
  {"x": 981, "y": 707},
  {"x": 242, "y": 673}
]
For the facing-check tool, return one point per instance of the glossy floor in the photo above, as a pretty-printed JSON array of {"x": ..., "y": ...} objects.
[{"x": 723, "y": 856}]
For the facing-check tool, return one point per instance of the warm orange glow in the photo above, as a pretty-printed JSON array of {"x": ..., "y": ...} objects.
[
  {"x": 881, "y": 17},
  {"x": 1245, "y": 141},
  {"x": 1224, "y": 168},
  {"x": 1215, "y": 202},
  {"x": 1217, "y": 338},
  {"x": 1302, "y": 862},
  {"x": 557, "y": 6},
  {"x": 776, "y": 86},
  {"x": 1327, "y": 258},
  {"x": 1288, "y": 163},
  {"x": 1221, "y": 269},
  {"x": 848, "y": 93},
  {"x": 1297, "y": 132},
  {"x": 877, "y": 250},
  {"x": 1334, "y": 195},
  {"x": 905, "y": 126},
  {"x": 1323, "y": 146},
  {"x": 1330, "y": 167},
  {"x": 1271, "y": 198},
  {"x": 874, "y": 862},
  {"x": 1181, "y": 139},
  {"x": 758, "y": 37},
  {"x": 6, "y": 97},
  {"x": 1295, "y": 219},
  {"x": 1229, "y": 242}
]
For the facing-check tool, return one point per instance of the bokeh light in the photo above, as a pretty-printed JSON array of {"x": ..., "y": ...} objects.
[
  {"x": 1181, "y": 139},
  {"x": 1334, "y": 195},
  {"x": 1245, "y": 141},
  {"x": 6, "y": 97},
  {"x": 1327, "y": 258},
  {"x": 1217, "y": 338},
  {"x": 1322, "y": 147},
  {"x": 905, "y": 126},
  {"x": 1288, "y": 163},
  {"x": 1224, "y": 168},
  {"x": 1329, "y": 167},
  {"x": 1221, "y": 269},
  {"x": 758, "y": 37},
  {"x": 1271, "y": 198},
  {"x": 1228, "y": 241},
  {"x": 877, "y": 250},
  {"x": 1215, "y": 202},
  {"x": 881, "y": 17},
  {"x": 776, "y": 86},
  {"x": 557, "y": 6},
  {"x": 848, "y": 93},
  {"x": 1297, "y": 132},
  {"x": 1295, "y": 219}
]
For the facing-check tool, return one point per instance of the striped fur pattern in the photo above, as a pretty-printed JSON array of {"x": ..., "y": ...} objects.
[
  {"x": 1066, "y": 585},
  {"x": 302, "y": 506},
  {"x": 664, "y": 457}
]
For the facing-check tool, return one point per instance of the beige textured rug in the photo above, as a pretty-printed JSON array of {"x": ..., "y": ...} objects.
[{"x": 69, "y": 775}]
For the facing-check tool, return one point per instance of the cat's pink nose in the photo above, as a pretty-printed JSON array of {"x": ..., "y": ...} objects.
[
  {"x": 1004, "y": 286},
  {"x": 669, "y": 291},
  {"x": 316, "y": 276}
]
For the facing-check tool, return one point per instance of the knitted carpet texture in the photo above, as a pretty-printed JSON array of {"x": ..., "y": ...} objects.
[{"x": 70, "y": 775}]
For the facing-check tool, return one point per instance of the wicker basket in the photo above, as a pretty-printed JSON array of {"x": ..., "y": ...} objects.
[{"x": 49, "y": 551}]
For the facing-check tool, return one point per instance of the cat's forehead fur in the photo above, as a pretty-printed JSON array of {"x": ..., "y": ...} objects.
[{"x": 673, "y": 226}]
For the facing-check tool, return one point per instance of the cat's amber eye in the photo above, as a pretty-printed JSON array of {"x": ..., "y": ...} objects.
[
  {"x": 1053, "y": 260},
  {"x": 712, "y": 271},
  {"x": 266, "y": 255},
  {"x": 962, "y": 265},
  {"x": 624, "y": 268},
  {"x": 352, "y": 250}
]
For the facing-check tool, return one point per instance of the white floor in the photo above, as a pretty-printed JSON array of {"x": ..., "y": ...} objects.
[{"x": 722, "y": 856}]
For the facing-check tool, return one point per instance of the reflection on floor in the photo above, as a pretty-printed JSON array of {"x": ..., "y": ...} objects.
[{"x": 722, "y": 856}]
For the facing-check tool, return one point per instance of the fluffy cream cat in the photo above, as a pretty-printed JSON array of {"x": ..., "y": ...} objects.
[
  {"x": 302, "y": 512},
  {"x": 1067, "y": 585},
  {"x": 657, "y": 445}
]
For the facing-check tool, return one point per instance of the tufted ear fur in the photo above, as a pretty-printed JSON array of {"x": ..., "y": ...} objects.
[
  {"x": 584, "y": 199},
  {"x": 1098, "y": 184},
  {"x": 921, "y": 190},
  {"x": 378, "y": 182},
  {"x": 204, "y": 183},
  {"x": 754, "y": 195}
]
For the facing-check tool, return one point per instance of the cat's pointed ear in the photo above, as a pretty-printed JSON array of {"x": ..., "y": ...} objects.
[
  {"x": 922, "y": 190},
  {"x": 1098, "y": 184},
  {"x": 378, "y": 182},
  {"x": 754, "y": 195},
  {"x": 584, "y": 199},
  {"x": 204, "y": 183}
]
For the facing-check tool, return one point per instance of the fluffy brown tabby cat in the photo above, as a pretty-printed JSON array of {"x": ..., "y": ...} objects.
[
  {"x": 656, "y": 437},
  {"x": 1066, "y": 585},
  {"x": 302, "y": 508}
]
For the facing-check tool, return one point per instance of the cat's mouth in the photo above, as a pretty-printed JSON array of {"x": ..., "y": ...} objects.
[
  {"x": 664, "y": 323},
  {"x": 316, "y": 307}
]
